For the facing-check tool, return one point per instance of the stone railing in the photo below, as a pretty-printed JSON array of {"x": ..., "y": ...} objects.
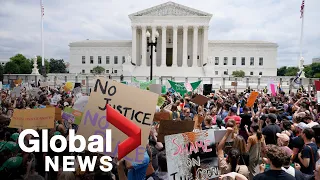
[{"x": 87, "y": 80}]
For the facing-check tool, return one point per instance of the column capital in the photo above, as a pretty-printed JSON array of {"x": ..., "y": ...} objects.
[
  {"x": 163, "y": 26},
  {"x": 195, "y": 27},
  {"x": 143, "y": 27},
  {"x": 175, "y": 27},
  {"x": 134, "y": 26},
  {"x": 206, "y": 27},
  {"x": 185, "y": 27}
]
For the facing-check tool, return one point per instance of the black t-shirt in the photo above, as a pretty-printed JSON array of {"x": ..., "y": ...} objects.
[
  {"x": 270, "y": 132},
  {"x": 306, "y": 153},
  {"x": 245, "y": 120},
  {"x": 298, "y": 143},
  {"x": 274, "y": 175}
]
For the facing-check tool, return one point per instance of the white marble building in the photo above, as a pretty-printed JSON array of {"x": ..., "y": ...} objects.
[{"x": 183, "y": 48}]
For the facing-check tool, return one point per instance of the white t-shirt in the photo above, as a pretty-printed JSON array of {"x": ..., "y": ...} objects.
[
  {"x": 290, "y": 171},
  {"x": 312, "y": 124}
]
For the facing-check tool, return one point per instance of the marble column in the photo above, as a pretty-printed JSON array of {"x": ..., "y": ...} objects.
[
  {"x": 164, "y": 46},
  {"x": 175, "y": 46},
  {"x": 195, "y": 47},
  {"x": 205, "y": 45},
  {"x": 185, "y": 47},
  {"x": 134, "y": 44},
  {"x": 144, "y": 46},
  {"x": 154, "y": 57}
]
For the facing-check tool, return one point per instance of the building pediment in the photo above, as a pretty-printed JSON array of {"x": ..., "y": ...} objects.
[{"x": 170, "y": 9}]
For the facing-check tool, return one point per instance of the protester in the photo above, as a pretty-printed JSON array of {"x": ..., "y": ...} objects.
[{"x": 283, "y": 122}]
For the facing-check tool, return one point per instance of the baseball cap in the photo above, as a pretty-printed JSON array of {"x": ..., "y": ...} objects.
[
  {"x": 302, "y": 125},
  {"x": 12, "y": 163},
  {"x": 283, "y": 137}
]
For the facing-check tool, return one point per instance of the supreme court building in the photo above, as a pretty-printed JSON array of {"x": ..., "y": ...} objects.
[{"x": 183, "y": 48}]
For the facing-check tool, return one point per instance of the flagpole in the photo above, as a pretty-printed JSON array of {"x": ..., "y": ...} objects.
[
  {"x": 301, "y": 61},
  {"x": 42, "y": 40}
]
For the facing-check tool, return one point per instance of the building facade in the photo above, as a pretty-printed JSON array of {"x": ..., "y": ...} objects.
[{"x": 183, "y": 48}]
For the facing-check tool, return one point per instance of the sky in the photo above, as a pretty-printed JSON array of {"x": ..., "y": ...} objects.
[{"x": 67, "y": 21}]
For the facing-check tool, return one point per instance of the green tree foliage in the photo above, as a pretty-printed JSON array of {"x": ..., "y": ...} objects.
[
  {"x": 291, "y": 71},
  {"x": 98, "y": 70},
  {"x": 312, "y": 70},
  {"x": 11, "y": 68},
  {"x": 281, "y": 71},
  {"x": 23, "y": 63},
  {"x": 239, "y": 73},
  {"x": 1, "y": 73},
  {"x": 57, "y": 66}
]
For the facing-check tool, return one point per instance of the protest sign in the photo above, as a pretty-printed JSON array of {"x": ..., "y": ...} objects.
[
  {"x": 71, "y": 114},
  {"x": 81, "y": 103},
  {"x": 144, "y": 85},
  {"x": 33, "y": 118},
  {"x": 200, "y": 99},
  {"x": 160, "y": 116},
  {"x": 16, "y": 92},
  {"x": 134, "y": 84},
  {"x": 138, "y": 106},
  {"x": 174, "y": 127},
  {"x": 234, "y": 84},
  {"x": 0, "y": 84},
  {"x": 198, "y": 119},
  {"x": 156, "y": 88},
  {"x": 163, "y": 89},
  {"x": 44, "y": 84},
  {"x": 68, "y": 86},
  {"x": 252, "y": 98},
  {"x": 6, "y": 86},
  {"x": 317, "y": 85},
  {"x": 35, "y": 92},
  {"x": 188, "y": 86},
  {"x": 192, "y": 155},
  {"x": 17, "y": 82},
  {"x": 318, "y": 97},
  {"x": 180, "y": 86}
]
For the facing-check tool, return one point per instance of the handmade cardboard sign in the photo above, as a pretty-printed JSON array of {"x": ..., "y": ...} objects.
[
  {"x": 17, "y": 82},
  {"x": 71, "y": 114},
  {"x": 192, "y": 155},
  {"x": 198, "y": 119},
  {"x": 234, "y": 84},
  {"x": 35, "y": 92},
  {"x": 174, "y": 127},
  {"x": 200, "y": 99},
  {"x": 252, "y": 98},
  {"x": 161, "y": 116},
  {"x": 135, "y": 104},
  {"x": 33, "y": 118}
]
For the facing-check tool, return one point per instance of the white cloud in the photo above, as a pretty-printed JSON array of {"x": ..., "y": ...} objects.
[{"x": 75, "y": 20}]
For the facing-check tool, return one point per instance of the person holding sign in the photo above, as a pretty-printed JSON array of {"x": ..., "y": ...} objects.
[{"x": 231, "y": 163}]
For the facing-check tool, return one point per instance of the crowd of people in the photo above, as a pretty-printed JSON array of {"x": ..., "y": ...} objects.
[{"x": 277, "y": 138}]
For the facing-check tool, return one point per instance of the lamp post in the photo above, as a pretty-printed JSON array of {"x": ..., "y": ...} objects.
[{"x": 151, "y": 44}]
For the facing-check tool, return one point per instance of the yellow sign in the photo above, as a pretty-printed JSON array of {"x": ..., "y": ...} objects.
[
  {"x": 68, "y": 86},
  {"x": 33, "y": 118}
]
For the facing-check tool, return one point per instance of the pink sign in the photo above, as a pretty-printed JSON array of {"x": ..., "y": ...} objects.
[{"x": 273, "y": 89}]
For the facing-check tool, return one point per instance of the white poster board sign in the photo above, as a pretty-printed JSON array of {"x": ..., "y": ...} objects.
[{"x": 156, "y": 88}]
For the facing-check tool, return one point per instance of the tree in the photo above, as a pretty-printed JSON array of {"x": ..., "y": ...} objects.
[
  {"x": 11, "y": 68},
  {"x": 282, "y": 71},
  {"x": 291, "y": 71},
  {"x": 23, "y": 63},
  {"x": 239, "y": 73},
  {"x": 57, "y": 66},
  {"x": 18, "y": 59},
  {"x": 98, "y": 70},
  {"x": 1, "y": 73},
  {"x": 312, "y": 70}
]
